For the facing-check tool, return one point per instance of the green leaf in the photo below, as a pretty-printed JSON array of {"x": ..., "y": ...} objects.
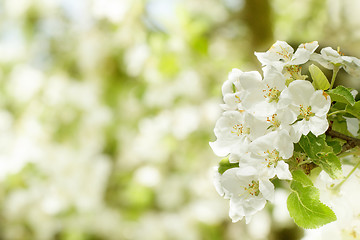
[
  {"x": 330, "y": 163},
  {"x": 300, "y": 176},
  {"x": 305, "y": 207},
  {"x": 341, "y": 94},
  {"x": 340, "y": 125},
  {"x": 354, "y": 110},
  {"x": 335, "y": 143},
  {"x": 313, "y": 145},
  {"x": 319, "y": 79},
  {"x": 321, "y": 154},
  {"x": 225, "y": 165}
]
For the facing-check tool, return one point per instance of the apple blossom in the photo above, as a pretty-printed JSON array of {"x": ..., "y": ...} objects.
[
  {"x": 307, "y": 107},
  {"x": 332, "y": 59},
  {"x": 247, "y": 191},
  {"x": 282, "y": 57},
  {"x": 263, "y": 95},
  {"x": 269, "y": 152},
  {"x": 264, "y": 116},
  {"x": 234, "y": 131}
]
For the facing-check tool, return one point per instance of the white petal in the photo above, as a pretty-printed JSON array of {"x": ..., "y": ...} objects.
[
  {"x": 352, "y": 125},
  {"x": 320, "y": 103},
  {"x": 246, "y": 171},
  {"x": 236, "y": 211},
  {"x": 216, "y": 181},
  {"x": 299, "y": 91},
  {"x": 318, "y": 125},
  {"x": 267, "y": 189},
  {"x": 284, "y": 144},
  {"x": 282, "y": 171},
  {"x": 263, "y": 143},
  {"x": 302, "y": 54},
  {"x": 301, "y": 127},
  {"x": 320, "y": 59}
]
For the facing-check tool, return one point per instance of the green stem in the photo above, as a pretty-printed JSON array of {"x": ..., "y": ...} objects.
[
  {"x": 337, "y": 187},
  {"x": 349, "y": 153},
  {"x": 336, "y": 112},
  {"x": 304, "y": 162},
  {"x": 335, "y": 71}
]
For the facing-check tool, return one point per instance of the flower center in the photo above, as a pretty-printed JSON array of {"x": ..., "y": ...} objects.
[
  {"x": 239, "y": 129},
  {"x": 305, "y": 113},
  {"x": 294, "y": 71},
  {"x": 272, "y": 94},
  {"x": 284, "y": 54},
  {"x": 272, "y": 158},
  {"x": 275, "y": 123},
  {"x": 253, "y": 188}
]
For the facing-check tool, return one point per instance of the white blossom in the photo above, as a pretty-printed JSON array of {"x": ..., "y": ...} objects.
[
  {"x": 330, "y": 58},
  {"x": 246, "y": 190},
  {"x": 282, "y": 57},
  {"x": 234, "y": 131},
  {"x": 268, "y": 154},
  {"x": 307, "y": 107},
  {"x": 263, "y": 95},
  {"x": 233, "y": 91}
]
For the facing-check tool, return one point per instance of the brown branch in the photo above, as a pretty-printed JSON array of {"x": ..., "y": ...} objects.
[{"x": 351, "y": 142}]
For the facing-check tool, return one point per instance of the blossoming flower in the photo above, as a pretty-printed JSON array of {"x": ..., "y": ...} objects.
[
  {"x": 246, "y": 190},
  {"x": 263, "y": 118},
  {"x": 330, "y": 58},
  {"x": 269, "y": 152},
  {"x": 282, "y": 57},
  {"x": 234, "y": 131},
  {"x": 263, "y": 95},
  {"x": 233, "y": 90},
  {"x": 307, "y": 107}
]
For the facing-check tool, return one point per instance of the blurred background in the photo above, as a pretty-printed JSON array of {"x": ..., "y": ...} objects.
[{"x": 107, "y": 108}]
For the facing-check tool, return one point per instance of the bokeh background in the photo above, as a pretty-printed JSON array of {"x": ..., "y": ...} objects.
[{"x": 107, "y": 108}]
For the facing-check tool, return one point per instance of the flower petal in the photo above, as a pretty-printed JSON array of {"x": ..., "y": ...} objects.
[{"x": 282, "y": 171}]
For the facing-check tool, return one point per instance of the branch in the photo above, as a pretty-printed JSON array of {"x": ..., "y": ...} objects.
[{"x": 351, "y": 142}]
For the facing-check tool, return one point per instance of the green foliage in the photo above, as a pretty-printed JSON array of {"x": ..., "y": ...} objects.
[
  {"x": 335, "y": 144},
  {"x": 330, "y": 163},
  {"x": 304, "y": 203},
  {"x": 319, "y": 79},
  {"x": 340, "y": 125},
  {"x": 354, "y": 109},
  {"x": 341, "y": 94},
  {"x": 321, "y": 154},
  {"x": 225, "y": 165}
]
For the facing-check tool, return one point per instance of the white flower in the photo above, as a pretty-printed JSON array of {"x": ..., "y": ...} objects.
[
  {"x": 233, "y": 91},
  {"x": 282, "y": 57},
  {"x": 307, "y": 107},
  {"x": 268, "y": 154},
  {"x": 262, "y": 95},
  {"x": 246, "y": 190},
  {"x": 330, "y": 58},
  {"x": 234, "y": 131}
]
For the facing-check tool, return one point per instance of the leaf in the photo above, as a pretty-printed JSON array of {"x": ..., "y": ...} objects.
[
  {"x": 321, "y": 154},
  {"x": 335, "y": 143},
  {"x": 300, "y": 176},
  {"x": 313, "y": 145},
  {"x": 330, "y": 163},
  {"x": 319, "y": 79},
  {"x": 354, "y": 110},
  {"x": 305, "y": 207},
  {"x": 340, "y": 125},
  {"x": 341, "y": 94},
  {"x": 224, "y": 165}
]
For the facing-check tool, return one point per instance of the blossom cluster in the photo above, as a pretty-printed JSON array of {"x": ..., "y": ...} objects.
[{"x": 264, "y": 116}]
